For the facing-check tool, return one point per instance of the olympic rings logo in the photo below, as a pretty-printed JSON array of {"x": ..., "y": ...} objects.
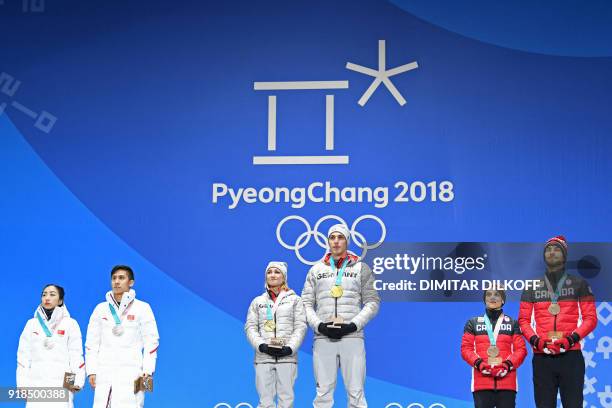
[
  {"x": 226, "y": 405},
  {"x": 321, "y": 239}
]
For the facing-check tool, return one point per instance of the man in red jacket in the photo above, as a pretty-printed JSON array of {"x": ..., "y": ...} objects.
[
  {"x": 492, "y": 344},
  {"x": 556, "y": 304}
]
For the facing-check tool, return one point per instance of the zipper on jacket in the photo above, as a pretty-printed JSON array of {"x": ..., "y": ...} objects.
[
  {"x": 336, "y": 299},
  {"x": 495, "y": 383},
  {"x": 335, "y": 307},
  {"x": 276, "y": 357}
]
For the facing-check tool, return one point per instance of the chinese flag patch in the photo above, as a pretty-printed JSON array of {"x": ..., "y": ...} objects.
[
  {"x": 61, "y": 332},
  {"x": 130, "y": 317}
]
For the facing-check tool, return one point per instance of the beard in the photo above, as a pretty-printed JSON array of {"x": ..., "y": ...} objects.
[{"x": 554, "y": 262}]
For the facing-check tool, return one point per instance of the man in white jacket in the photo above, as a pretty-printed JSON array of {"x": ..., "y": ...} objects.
[
  {"x": 340, "y": 299},
  {"x": 121, "y": 345}
]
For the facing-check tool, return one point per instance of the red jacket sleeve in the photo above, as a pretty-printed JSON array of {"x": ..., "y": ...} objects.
[
  {"x": 586, "y": 301},
  {"x": 524, "y": 318},
  {"x": 468, "y": 352},
  {"x": 519, "y": 351}
]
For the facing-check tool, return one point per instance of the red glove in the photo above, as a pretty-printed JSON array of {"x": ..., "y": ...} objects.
[
  {"x": 485, "y": 369},
  {"x": 538, "y": 343},
  {"x": 501, "y": 370},
  {"x": 563, "y": 344},
  {"x": 568, "y": 342},
  {"x": 552, "y": 347},
  {"x": 545, "y": 345}
]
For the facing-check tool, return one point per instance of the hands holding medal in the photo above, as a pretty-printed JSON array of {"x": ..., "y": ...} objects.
[
  {"x": 548, "y": 346},
  {"x": 336, "y": 330},
  {"x": 275, "y": 351},
  {"x": 500, "y": 370},
  {"x": 559, "y": 346},
  {"x": 567, "y": 342},
  {"x": 554, "y": 346},
  {"x": 484, "y": 368}
]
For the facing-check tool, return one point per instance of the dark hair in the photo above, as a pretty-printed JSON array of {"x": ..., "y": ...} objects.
[
  {"x": 60, "y": 290},
  {"x": 123, "y": 268},
  {"x": 501, "y": 292}
]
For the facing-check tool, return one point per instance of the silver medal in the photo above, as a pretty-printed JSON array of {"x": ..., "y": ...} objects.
[
  {"x": 118, "y": 330},
  {"x": 48, "y": 343}
]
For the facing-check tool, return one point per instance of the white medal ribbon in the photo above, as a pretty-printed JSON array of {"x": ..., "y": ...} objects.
[
  {"x": 119, "y": 310},
  {"x": 554, "y": 294},
  {"x": 493, "y": 339},
  {"x": 54, "y": 321}
]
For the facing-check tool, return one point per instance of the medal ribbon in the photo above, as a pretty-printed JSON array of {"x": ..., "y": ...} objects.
[
  {"x": 493, "y": 334},
  {"x": 271, "y": 310},
  {"x": 115, "y": 316},
  {"x": 341, "y": 271},
  {"x": 554, "y": 295},
  {"x": 44, "y": 326}
]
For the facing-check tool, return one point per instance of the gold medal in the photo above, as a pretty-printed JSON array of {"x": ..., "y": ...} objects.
[
  {"x": 492, "y": 351},
  {"x": 554, "y": 309},
  {"x": 337, "y": 291},
  {"x": 269, "y": 325}
]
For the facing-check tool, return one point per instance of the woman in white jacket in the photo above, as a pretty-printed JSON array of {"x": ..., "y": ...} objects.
[
  {"x": 50, "y": 346},
  {"x": 275, "y": 327}
]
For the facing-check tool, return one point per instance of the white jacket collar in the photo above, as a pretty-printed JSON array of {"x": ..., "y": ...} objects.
[
  {"x": 126, "y": 299},
  {"x": 59, "y": 313},
  {"x": 287, "y": 293}
]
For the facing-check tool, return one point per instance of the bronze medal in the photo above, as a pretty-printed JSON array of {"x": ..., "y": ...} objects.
[
  {"x": 337, "y": 291},
  {"x": 554, "y": 309},
  {"x": 492, "y": 351}
]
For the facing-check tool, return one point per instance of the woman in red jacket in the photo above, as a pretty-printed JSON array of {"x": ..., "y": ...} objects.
[{"x": 493, "y": 345}]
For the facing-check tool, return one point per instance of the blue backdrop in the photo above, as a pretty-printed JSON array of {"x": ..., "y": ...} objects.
[{"x": 117, "y": 119}]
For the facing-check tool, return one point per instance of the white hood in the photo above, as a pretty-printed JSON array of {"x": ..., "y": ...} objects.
[{"x": 126, "y": 299}]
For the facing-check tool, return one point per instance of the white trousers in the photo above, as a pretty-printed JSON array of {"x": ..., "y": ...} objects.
[
  {"x": 348, "y": 354},
  {"x": 275, "y": 380},
  {"x": 118, "y": 398},
  {"x": 69, "y": 404}
]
